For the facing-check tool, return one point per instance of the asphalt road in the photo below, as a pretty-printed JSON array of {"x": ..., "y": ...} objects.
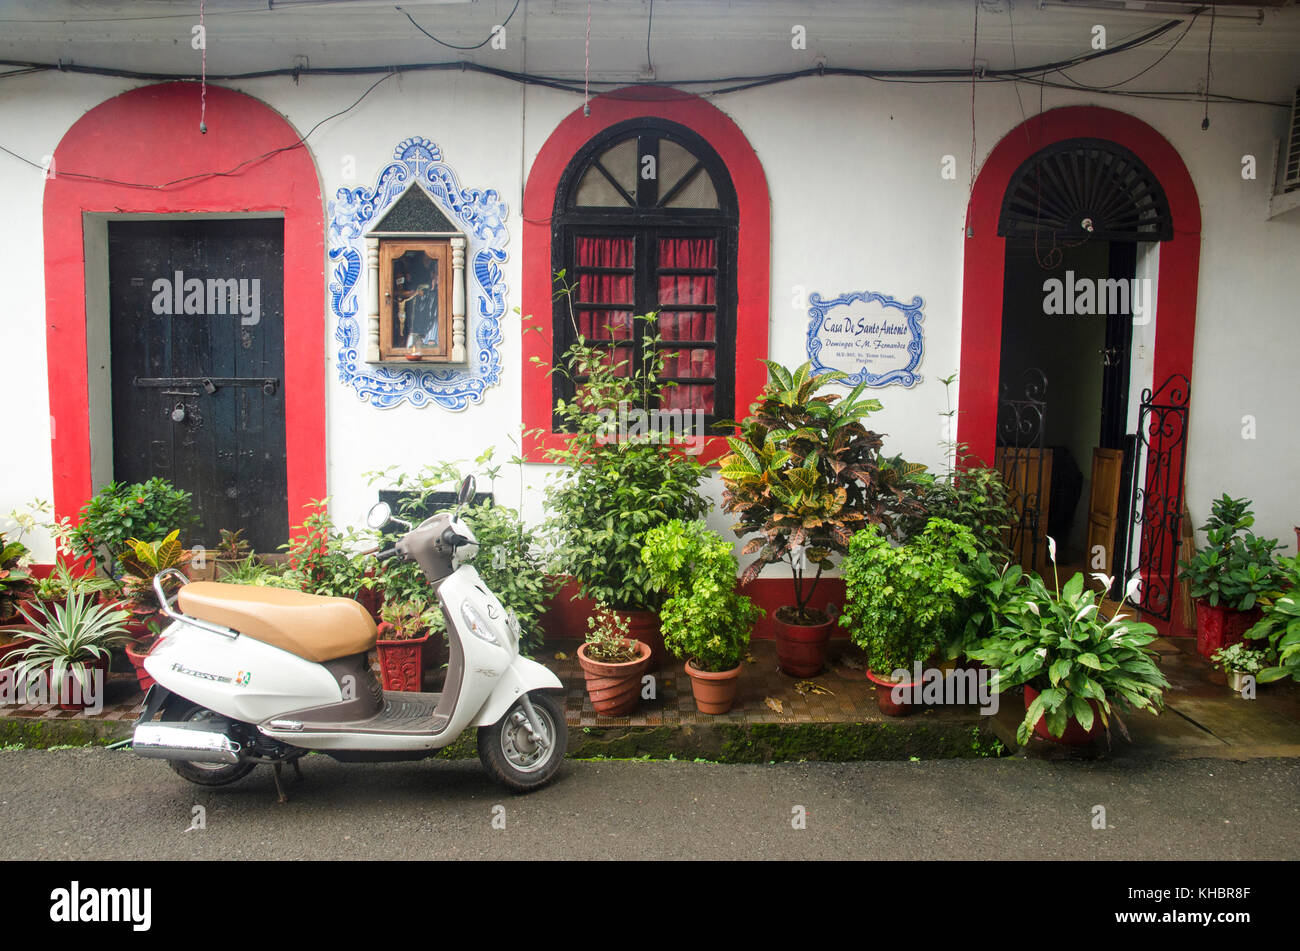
[{"x": 68, "y": 804}]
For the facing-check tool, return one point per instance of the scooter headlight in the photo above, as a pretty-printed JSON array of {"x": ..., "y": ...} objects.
[{"x": 477, "y": 624}]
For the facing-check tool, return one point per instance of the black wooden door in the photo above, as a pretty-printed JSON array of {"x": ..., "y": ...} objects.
[{"x": 197, "y": 315}]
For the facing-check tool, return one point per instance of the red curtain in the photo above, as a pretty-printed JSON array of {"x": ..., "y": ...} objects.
[
  {"x": 604, "y": 287},
  {"x": 688, "y": 326}
]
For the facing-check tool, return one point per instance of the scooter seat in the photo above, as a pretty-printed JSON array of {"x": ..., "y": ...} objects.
[{"x": 313, "y": 627}]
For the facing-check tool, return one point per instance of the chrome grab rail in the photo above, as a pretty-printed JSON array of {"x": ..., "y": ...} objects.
[{"x": 181, "y": 616}]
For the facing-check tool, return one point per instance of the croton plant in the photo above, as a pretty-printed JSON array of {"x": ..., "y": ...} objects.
[{"x": 804, "y": 474}]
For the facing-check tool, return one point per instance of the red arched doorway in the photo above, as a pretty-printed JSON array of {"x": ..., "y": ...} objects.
[
  {"x": 117, "y": 162},
  {"x": 985, "y": 260}
]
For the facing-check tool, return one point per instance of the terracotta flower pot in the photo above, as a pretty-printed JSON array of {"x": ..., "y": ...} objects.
[
  {"x": 714, "y": 692},
  {"x": 1218, "y": 627},
  {"x": 401, "y": 663},
  {"x": 1074, "y": 734},
  {"x": 643, "y": 626},
  {"x": 801, "y": 648},
  {"x": 885, "y": 695},
  {"x": 136, "y": 652},
  {"x": 614, "y": 688}
]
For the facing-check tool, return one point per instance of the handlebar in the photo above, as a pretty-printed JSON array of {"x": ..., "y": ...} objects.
[{"x": 386, "y": 554}]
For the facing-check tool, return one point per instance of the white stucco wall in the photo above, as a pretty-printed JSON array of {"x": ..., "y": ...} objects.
[{"x": 858, "y": 203}]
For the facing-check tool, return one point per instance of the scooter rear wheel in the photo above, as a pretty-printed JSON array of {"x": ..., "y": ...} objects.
[
  {"x": 511, "y": 756},
  {"x": 203, "y": 774}
]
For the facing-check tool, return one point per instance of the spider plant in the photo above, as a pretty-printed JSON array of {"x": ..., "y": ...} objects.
[{"x": 71, "y": 638}]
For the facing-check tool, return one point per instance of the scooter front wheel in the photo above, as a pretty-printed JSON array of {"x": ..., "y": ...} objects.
[{"x": 512, "y": 752}]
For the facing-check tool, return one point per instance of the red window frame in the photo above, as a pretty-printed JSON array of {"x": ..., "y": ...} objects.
[{"x": 753, "y": 246}]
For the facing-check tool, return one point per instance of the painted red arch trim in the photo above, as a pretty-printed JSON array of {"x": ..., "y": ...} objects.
[
  {"x": 985, "y": 256},
  {"x": 752, "y": 254},
  {"x": 149, "y": 136}
]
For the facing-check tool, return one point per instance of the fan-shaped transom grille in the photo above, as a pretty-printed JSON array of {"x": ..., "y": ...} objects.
[{"x": 1082, "y": 189}]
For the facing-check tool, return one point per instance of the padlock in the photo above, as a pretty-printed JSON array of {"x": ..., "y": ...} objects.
[
  {"x": 208, "y": 386},
  {"x": 178, "y": 413}
]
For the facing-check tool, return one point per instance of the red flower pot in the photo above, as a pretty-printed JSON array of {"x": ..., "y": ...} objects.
[
  {"x": 614, "y": 688},
  {"x": 801, "y": 648},
  {"x": 643, "y": 626},
  {"x": 714, "y": 692},
  {"x": 12, "y": 637},
  {"x": 372, "y": 599},
  {"x": 136, "y": 652},
  {"x": 1073, "y": 735},
  {"x": 1219, "y": 626},
  {"x": 401, "y": 663},
  {"x": 885, "y": 695}
]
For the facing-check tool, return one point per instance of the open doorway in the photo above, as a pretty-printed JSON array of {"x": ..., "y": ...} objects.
[{"x": 1065, "y": 368}]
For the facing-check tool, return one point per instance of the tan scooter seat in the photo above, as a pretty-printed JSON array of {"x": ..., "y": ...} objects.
[{"x": 313, "y": 627}]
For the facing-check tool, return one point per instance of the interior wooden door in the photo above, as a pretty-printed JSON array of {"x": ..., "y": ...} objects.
[
  {"x": 1028, "y": 477},
  {"x": 1103, "y": 508}
]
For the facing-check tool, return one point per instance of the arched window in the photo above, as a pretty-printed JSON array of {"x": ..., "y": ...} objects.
[{"x": 646, "y": 221}]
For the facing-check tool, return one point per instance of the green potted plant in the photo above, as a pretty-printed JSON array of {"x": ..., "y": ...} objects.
[
  {"x": 613, "y": 663},
  {"x": 70, "y": 648},
  {"x": 803, "y": 476},
  {"x": 324, "y": 560},
  {"x": 1239, "y": 662},
  {"x": 705, "y": 622},
  {"x": 211, "y": 563},
  {"x": 1077, "y": 667},
  {"x": 1229, "y": 575},
  {"x": 611, "y": 488},
  {"x": 15, "y": 578},
  {"x": 1279, "y": 625},
  {"x": 145, "y": 510},
  {"x": 903, "y": 602},
  {"x": 139, "y": 563},
  {"x": 402, "y": 635},
  {"x": 54, "y": 588}
]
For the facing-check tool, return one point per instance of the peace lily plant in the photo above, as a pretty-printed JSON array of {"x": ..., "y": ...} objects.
[{"x": 1079, "y": 664}]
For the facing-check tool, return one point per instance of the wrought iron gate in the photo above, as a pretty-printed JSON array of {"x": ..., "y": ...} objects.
[
  {"x": 1156, "y": 497},
  {"x": 1022, "y": 420}
]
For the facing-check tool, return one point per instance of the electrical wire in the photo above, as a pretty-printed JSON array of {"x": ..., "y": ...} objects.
[
  {"x": 453, "y": 46},
  {"x": 200, "y": 176}
]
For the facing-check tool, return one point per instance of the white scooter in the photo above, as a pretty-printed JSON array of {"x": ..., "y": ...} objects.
[{"x": 248, "y": 675}]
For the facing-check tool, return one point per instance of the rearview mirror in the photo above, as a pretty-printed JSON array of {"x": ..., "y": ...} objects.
[
  {"x": 380, "y": 514},
  {"x": 466, "y": 493}
]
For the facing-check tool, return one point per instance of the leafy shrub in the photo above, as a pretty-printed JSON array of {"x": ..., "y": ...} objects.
[
  {"x": 1236, "y": 567},
  {"x": 148, "y": 511},
  {"x": 610, "y": 491},
  {"x": 704, "y": 620},
  {"x": 1280, "y": 625},
  {"x": 322, "y": 559},
  {"x": 509, "y": 558},
  {"x": 901, "y": 602}
]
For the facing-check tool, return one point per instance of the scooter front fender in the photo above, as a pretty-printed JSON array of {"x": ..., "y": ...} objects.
[{"x": 520, "y": 677}]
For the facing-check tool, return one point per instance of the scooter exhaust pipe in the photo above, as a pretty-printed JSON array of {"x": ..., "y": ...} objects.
[{"x": 184, "y": 741}]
